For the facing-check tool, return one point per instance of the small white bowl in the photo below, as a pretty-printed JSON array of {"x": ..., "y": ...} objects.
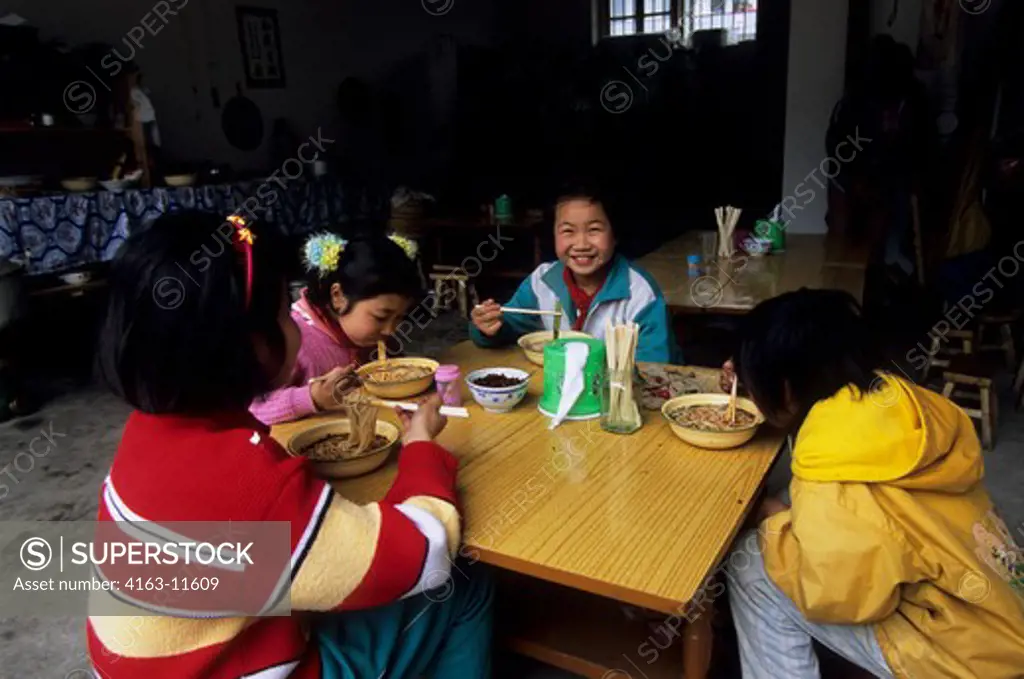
[
  {"x": 117, "y": 184},
  {"x": 79, "y": 184},
  {"x": 179, "y": 180},
  {"x": 498, "y": 399},
  {"x": 76, "y": 278}
]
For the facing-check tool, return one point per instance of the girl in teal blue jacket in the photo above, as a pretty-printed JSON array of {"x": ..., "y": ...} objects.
[{"x": 594, "y": 284}]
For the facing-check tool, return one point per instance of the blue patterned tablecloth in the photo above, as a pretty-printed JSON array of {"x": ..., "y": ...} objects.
[{"x": 65, "y": 231}]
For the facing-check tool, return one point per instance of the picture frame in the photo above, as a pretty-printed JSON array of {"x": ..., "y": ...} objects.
[{"x": 259, "y": 34}]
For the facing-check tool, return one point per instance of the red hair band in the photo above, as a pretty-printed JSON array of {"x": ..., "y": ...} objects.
[{"x": 243, "y": 244}]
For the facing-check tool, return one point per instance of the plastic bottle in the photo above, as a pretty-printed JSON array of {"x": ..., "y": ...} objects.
[{"x": 447, "y": 379}]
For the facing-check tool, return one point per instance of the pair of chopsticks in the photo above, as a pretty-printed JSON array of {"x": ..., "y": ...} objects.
[
  {"x": 557, "y": 313},
  {"x": 529, "y": 312},
  {"x": 447, "y": 411},
  {"x": 355, "y": 376}
]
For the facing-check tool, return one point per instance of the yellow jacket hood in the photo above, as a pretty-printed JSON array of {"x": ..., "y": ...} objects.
[
  {"x": 891, "y": 526},
  {"x": 898, "y": 434}
]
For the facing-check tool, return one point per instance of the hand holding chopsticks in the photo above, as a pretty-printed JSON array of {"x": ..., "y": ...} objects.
[{"x": 327, "y": 390}]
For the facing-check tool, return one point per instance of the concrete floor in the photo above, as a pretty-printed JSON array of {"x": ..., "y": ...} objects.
[{"x": 63, "y": 485}]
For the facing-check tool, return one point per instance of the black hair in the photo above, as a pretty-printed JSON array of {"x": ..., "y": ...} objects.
[
  {"x": 178, "y": 335},
  {"x": 586, "y": 189},
  {"x": 370, "y": 265},
  {"x": 814, "y": 341}
]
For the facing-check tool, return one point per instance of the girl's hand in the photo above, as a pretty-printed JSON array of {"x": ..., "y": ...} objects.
[
  {"x": 328, "y": 391},
  {"x": 487, "y": 317},
  {"x": 424, "y": 424},
  {"x": 769, "y": 507},
  {"x": 728, "y": 375}
]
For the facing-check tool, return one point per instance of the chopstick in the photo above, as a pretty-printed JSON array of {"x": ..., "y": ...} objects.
[
  {"x": 448, "y": 411},
  {"x": 732, "y": 401},
  {"x": 529, "y": 312}
]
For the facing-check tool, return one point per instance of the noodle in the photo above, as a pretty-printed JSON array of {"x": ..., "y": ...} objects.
[
  {"x": 362, "y": 417},
  {"x": 711, "y": 418},
  {"x": 398, "y": 373}
]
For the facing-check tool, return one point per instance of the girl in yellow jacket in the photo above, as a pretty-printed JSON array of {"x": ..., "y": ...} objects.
[{"x": 891, "y": 554}]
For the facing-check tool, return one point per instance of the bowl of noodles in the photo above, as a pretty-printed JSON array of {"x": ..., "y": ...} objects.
[
  {"x": 398, "y": 377},
  {"x": 701, "y": 420},
  {"x": 334, "y": 452},
  {"x": 533, "y": 344}
]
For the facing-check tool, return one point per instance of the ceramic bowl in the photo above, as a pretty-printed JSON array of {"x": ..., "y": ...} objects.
[
  {"x": 79, "y": 184},
  {"x": 180, "y": 180},
  {"x": 757, "y": 247},
  {"x": 397, "y": 390},
  {"x": 498, "y": 399},
  {"x": 713, "y": 440},
  {"x": 353, "y": 466},
  {"x": 76, "y": 278},
  {"x": 117, "y": 184},
  {"x": 533, "y": 343}
]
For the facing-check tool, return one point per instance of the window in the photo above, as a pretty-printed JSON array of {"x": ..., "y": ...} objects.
[
  {"x": 738, "y": 17},
  {"x": 633, "y": 17}
]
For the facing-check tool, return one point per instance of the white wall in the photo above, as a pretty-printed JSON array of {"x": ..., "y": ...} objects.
[
  {"x": 817, "y": 59},
  {"x": 322, "y": 43}
]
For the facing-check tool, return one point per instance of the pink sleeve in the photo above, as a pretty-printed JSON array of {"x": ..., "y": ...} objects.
[{"x": 287, "y": 403}]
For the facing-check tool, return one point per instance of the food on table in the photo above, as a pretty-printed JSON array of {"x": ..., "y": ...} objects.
[
  {"x": 361, "y": 437},
  {"x": 711, "y": 418},
  {"x": 497, "y": 381},
  {"x": 398, "y": 373},
  {"x": 339, "y": 447},
  {"x": 537, "y": 345},
  {"x": 659, "y": 383}
]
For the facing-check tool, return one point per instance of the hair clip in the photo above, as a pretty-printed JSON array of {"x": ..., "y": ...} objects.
[
  {"x": 323, "y": 251},
  {"x": 408, "y": 245},
  {"x": 243, "y": 243}
]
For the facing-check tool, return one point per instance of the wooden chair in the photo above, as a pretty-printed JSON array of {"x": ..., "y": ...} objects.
[
  {"x": 975, "y": 376},
  {"x": 1005, "y": 323},
  {"x": 446, "y": 281}
]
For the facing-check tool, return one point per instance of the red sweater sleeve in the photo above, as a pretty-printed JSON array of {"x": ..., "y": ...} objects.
[{"x": 348, "y": 556}]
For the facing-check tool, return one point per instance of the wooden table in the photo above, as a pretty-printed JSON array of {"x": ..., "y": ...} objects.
[
  {"x": 641, "y": 519},
  {"x": 738, "y": 285}
]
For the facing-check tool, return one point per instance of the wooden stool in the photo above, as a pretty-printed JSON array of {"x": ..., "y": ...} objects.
[
  {"x": 1005, "y": 322},
  {"x": 968, "y": 371},
  {"x": 463, "y": 288},
  {"x": 939, "y": 356}
]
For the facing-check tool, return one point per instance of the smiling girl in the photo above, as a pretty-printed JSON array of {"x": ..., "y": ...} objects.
[
  {"x": 593, "y": 282},
  {"x": 356, "y": 293}
]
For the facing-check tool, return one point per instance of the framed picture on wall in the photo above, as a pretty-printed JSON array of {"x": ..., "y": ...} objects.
[{"x": 260, "y": 37}]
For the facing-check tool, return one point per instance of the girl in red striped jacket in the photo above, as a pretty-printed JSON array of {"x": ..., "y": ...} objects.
[{"x": 190, "y": 353}]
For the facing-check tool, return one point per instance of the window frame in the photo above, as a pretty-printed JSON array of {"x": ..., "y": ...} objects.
[
  {"x": 678, "y": 16},
  {"x": 604, "y": 18}
]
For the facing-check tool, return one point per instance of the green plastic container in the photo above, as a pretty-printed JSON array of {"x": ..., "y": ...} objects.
[
  {"x": 588, "y": 405},
  {"x": 773, "y": 231},
  {"x": 503, "y": 208}
]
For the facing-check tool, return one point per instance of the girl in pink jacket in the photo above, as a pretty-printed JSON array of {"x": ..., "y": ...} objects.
[{"x": 356, "y": 293}]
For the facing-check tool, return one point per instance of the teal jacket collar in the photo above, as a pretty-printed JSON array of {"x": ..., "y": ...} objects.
[{"x": 616, "y": 286}]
